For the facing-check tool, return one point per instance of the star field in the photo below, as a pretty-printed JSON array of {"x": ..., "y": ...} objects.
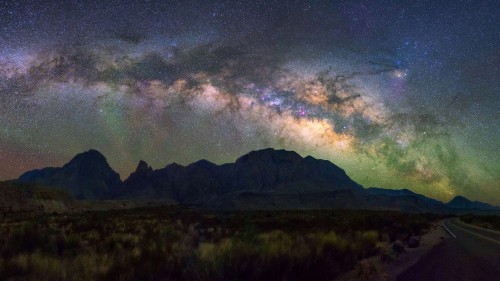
[{"x": 400, "y": 94}]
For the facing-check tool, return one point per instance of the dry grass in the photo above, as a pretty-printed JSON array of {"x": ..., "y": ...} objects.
[{"x": 173, "y": 243}]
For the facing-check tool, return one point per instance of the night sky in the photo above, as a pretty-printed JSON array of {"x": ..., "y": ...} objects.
[{"x": 400, "y": 94}]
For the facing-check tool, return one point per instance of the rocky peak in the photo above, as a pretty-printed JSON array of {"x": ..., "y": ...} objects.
[
  {"x": 459, "y": 199},
  {"x": 90, "y": 154},
  {"x": 90, "y": 158},
  {"x": 270, "y": 154},
  {"x": 87, "y": 176},
  {"x": 460, "y": 202},
  {"x": 202, "y": 164},
  {"x": 143, "y": 168}
]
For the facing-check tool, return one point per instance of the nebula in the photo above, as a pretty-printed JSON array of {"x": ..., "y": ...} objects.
[{"x": 363, "y": 87}]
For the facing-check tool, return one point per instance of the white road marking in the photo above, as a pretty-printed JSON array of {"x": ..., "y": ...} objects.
[
  {"x": 478, "y": 235},
  {"x": 449, "y": 231}
]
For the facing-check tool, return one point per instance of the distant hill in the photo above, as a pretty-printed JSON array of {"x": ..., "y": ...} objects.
[
  {"x": 460, "y": 202},
  {"x": 87, "y": 176},
  {"x": 263, "y": 179},
  {"x": 28, "y": 197}
]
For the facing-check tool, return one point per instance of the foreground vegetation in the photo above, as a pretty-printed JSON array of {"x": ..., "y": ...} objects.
[
  {"x": 174, "y": 243},
  {"x": 490, "y": 222}
]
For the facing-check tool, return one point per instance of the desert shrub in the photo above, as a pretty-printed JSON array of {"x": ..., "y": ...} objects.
[
  {"x": 36, "y": 266},
  {"x": 68, "y": 245},
  {"x": 92, "y": 236},
  {"x": 90, "y": 266},
  {"x": 44, "y": 267},
  {"x": 212, "y": 257},
  {"x": 334, "y": 254},
  {"x": 113, "y": 243},
  {"x": 329, "y": 239},
  {"x": 275, "y": 244},
  {"x": 174, "y": 243},
  {"x": 28, "y": 237},
  {"x": 275, "y": 255},
  {"x": 230, "y": 259},
  {"x": 366, "y": 242},
  {"x": 17, "y": 266}
]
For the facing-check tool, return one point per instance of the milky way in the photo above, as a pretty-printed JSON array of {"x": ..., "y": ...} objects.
[{"x": 399, "y": 94}]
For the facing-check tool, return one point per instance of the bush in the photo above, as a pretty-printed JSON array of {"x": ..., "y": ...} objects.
[
  {"x": 174, "y": 243},
  {"x": 29, "y": 237},
  {"x": 36, "y": 266}
]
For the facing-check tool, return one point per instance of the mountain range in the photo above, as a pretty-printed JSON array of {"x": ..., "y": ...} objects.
[{"x": 263, "y": 179}]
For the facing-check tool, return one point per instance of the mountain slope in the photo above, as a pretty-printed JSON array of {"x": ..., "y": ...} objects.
[
  {"x": 460, "y": 202},
  {"x": 87, "y": 176},
  {"x": 264, "y": 171},
  {"x": 263, "y": 179},
  {"x": 28, "y": 197}
]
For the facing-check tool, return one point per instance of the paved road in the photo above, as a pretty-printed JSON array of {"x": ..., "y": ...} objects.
[{"x": 474, "y": 255}]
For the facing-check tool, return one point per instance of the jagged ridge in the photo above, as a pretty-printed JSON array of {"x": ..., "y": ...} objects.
[{"x": 263, "y": 179}]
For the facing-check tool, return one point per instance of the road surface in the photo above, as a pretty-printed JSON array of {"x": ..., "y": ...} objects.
[{"x": 472, "y": 255}]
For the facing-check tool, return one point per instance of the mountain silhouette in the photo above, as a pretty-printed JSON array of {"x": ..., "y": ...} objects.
[
  {"x": 87, "y": 176},
  {"x": 460, "y": 202},
  {"x": 263, "y": 179},
  {"x": 263, "y": 171}
]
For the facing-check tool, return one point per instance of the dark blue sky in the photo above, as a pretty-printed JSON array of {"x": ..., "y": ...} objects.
[{"x": 398, "y": 93}]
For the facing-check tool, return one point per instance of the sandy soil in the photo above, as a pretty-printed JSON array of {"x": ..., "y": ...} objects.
[{"x": 373, "y": 269}]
